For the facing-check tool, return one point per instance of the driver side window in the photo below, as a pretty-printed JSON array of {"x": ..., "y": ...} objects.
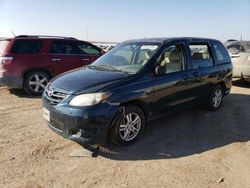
[{"x": 172, "y": 57}]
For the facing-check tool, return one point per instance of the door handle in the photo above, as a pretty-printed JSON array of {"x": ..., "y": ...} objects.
[
  {"x": 85, "y": 59},
  {"x": 56, "y": 59}
]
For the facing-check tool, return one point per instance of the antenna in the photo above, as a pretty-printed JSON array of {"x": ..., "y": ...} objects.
[{"x": 13, "y": 33}]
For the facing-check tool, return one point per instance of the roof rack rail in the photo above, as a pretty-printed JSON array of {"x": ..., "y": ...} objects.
[{"x": 44, "y": 36}]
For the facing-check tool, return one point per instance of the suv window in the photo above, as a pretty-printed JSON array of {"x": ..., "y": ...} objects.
[
  {"x": 200, "y": 56},
  {"x": 64, "y": 47},
  {"x": 172, "y": 57},
  {"x": 27, "y": 46},
  {"x": 88, "y": 49},
  {"x": 3, "y": 44},
  {"x": 221, "y": 54}
]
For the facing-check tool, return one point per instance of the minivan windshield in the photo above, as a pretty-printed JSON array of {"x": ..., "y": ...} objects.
[{"x": 126, "y": 57}]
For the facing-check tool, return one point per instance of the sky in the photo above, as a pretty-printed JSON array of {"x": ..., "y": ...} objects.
[{"x": 119, "y": 20}]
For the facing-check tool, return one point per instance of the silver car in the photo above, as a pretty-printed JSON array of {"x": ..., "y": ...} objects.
[{"x": 240, "y": 55}]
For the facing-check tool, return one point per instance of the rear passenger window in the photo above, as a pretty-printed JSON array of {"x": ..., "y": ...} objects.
[
  {"x": 64, "y": 47},
  {"x": 221, "y": 54},
  {"x": 200, "y": 56},
  {"x": 27, "y": 46}
]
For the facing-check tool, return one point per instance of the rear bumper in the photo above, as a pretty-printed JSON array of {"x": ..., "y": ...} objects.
[{"x": 11, "y": 82}]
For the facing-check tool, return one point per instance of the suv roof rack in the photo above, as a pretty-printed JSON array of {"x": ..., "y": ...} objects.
[{"x": 44, "y": 36}]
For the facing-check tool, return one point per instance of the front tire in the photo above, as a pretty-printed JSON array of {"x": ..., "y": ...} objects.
[
  {"x": 35, "y": 82},
  {"x": 216, "y": 98},
  {"x": 128, "y": 126}
]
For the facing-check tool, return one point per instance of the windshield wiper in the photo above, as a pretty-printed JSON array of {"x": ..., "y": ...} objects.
[{"x": 107, "y": 67}]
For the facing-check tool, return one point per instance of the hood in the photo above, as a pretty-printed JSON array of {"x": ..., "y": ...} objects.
[{"x": 86, "y": 79}]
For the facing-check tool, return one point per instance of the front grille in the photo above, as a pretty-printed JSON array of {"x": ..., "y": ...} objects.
[{"x": 55, "y": 95}]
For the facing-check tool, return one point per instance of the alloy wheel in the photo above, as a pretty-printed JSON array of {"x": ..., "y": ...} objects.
[
  {"x": 38, "y": 82},
  {"x": 130, "y": 126},
  {"x": 217, "y": 98}
]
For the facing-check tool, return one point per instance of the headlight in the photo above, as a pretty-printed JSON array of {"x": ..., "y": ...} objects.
[{"x": 89, "y": 99}]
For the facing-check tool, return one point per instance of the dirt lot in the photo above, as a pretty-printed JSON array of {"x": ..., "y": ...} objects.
[{"x": 193, "y": 148}]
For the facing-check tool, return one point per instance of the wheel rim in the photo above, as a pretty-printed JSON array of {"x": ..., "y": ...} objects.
[
  {"x": 217, "y": 98},
  {"x": 38, "y": 82},
  {"x": 130, "y": 126}
]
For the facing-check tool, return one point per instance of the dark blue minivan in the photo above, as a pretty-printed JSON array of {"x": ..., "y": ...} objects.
[{"x": 113, "y": 98}]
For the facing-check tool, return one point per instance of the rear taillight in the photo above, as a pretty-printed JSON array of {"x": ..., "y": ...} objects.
[{"x": 5, "y": 60}]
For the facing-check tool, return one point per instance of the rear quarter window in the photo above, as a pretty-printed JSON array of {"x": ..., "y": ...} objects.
[
  {"x": 27, "y": 46},
  {"x": 221, "y": 54},
  {"x": 3, "y": 45}
]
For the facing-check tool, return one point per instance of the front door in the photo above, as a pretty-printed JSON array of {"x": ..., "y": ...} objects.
[{"x": 174, "y": 88}]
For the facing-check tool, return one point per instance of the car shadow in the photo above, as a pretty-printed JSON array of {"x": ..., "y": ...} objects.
[
  {"x": 241, "y": 83},
  {"x": 21, "y": 93},
  {"x": 189, "y": 132}
]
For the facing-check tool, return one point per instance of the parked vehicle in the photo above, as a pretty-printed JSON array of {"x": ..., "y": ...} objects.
[
  {"x": 240, "y": 54},
  {"x": 29, "y": 62},
  {"x": 133, "y": 83}
]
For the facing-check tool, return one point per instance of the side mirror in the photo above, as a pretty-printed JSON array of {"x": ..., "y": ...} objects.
[{"x": 160, "y": 70}]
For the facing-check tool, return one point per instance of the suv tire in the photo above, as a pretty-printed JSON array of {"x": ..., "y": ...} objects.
[{"x": 35, "y": 82}]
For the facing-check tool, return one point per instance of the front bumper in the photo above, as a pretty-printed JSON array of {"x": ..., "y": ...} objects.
[
  {"x": 11, "y": 82},
  {"x": 85, "y": 125}
]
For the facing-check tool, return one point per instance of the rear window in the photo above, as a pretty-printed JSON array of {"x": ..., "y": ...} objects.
[
  {"x": 221, "y": 54},
  {"x": 200, "y": 56},
  {"x": 3, "y": 44},
  {"x": 27, "y": 46}
]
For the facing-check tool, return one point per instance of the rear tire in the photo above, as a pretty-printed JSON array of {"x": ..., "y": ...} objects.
[
  {"x": 35, "y": 82},
  {"x": 216, "y": 98},
  {"x": 128, "y": 126}
]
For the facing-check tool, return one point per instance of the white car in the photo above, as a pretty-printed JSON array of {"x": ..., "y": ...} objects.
[{"x": 240, "y": 55}]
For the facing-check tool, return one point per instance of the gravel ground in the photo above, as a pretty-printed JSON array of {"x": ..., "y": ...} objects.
[{"x": 192, "y": 148}]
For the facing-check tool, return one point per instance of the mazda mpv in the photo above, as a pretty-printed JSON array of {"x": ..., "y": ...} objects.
[{"x": 113, "y": 98}]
